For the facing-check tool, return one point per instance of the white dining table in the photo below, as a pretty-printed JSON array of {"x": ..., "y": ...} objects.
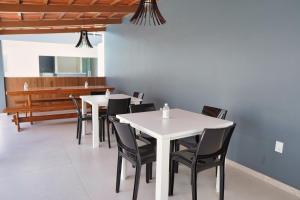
[
  {"x": 181, "y": 124},
  {"x": 97, "y": 101}
]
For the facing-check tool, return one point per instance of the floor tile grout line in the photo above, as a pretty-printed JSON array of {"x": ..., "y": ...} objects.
[{"x": 78, "y": 175}]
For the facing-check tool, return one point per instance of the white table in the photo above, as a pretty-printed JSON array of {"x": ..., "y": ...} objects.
[
  {"x": 181, "y": 124},
  {"x": 97, "y": 101}
]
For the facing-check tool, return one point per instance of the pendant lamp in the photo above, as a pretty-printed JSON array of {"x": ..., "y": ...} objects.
[
  {"x": 147, "y": 13},
  {"x": 84, "y": 40}
]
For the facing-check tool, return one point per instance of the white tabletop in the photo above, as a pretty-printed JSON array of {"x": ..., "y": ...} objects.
[
  {"x": 102, "y": 100},
  {"x": 181, "y": 123}
]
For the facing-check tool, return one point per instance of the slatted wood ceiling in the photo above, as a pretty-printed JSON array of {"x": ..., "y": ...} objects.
[{"x": 59, "y": 16}]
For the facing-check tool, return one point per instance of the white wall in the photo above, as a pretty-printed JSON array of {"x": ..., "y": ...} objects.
[{"x": 21, "y": 58}]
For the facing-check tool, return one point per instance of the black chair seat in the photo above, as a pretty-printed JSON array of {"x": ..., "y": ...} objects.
[
  {"x": 186, "y": 158},
  {"x": 113, "y": 118},
  {"x": 147, "y": 153},
  {"x": 148, "y": 137},
  {"x": 86, "y": 117},
  {"x": 190, "y": 142}
]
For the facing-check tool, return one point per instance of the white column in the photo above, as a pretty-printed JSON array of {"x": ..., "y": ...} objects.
[
  {"x": 95, "y": 121},
  {"x": 83, "y": 110},
  {"x": 162, "y": 169}
]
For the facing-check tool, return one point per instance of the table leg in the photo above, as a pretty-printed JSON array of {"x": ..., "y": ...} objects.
[
  {"x": 83, "y": 110},
  {"x": 218, "y": 180},
  {"x": 95, "y": 121},
  {"x": 162, "y": 169},
  {"x": 124, "y": 170}
]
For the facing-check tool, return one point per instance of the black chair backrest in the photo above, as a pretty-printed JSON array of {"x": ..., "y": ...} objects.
[
  {"x": 139, "y": 95},
  {"x": 215, "y": 142},
  {"x": 97, "y": 93},
  {"x": 214, "y": 112},
  {"x": 142, "y": 108},
  {"x": 75, "y": 102},
  {"x": 118, "y": 106},
  {"x": 126, "y": 139}
]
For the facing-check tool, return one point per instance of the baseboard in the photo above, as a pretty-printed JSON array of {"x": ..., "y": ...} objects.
[{"x": 272, "y": 181}]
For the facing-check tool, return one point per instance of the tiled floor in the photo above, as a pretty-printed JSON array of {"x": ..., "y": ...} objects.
[{"x": 43, "y": 162}]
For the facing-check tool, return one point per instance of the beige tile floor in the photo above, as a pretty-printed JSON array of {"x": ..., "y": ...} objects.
[{"x": 44, "y": 162}]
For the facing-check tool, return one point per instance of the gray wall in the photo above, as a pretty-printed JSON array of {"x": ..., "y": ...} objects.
[
  {"x": 2, "y": 91},
  {"x": 241, "y": 55}
]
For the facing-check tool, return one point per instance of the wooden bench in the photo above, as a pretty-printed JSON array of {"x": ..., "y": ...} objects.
[{"x": 17, "y": 119}]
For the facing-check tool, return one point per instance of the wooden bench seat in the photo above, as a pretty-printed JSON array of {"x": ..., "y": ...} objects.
[
  {"x": 45, "y": 100},
  {"x": 40, "y": 108}
]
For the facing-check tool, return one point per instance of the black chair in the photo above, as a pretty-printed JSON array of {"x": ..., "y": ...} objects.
[
  {"x": 115, "y": 107},
  {"x": 191, "y": 142},
  {"x": 143, "y": 108},
  {"x": 137, "y": 156},
  {"x": 84, "y": 117},
  {"x": 210, "y": 152},
  {"x": 138, "y": 95}
]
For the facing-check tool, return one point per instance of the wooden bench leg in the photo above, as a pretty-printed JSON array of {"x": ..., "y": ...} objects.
[{"x": 16, "y": 119}]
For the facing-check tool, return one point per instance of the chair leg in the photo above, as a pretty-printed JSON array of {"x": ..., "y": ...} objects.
[
  {"x": 150, "y": 171},
  {"x": 80, "y": 132},
  {"x": 77, "y": 134},
  {"x": 136, "y": 181},
  {"x": 108, "y": 134},
  {"x": 171, "y": 178},
  {"x": 177, "y": 148},
  {"x": 100, "y": 130},
  {"x": 147, "y": 173},
  {"x": 112, "y": 130},
  {"x": 103, "y": 130},
  {"x": 194, "y": 184},
  {"x": 222, "y": 181},
  {"x": 119, "y": 166}
]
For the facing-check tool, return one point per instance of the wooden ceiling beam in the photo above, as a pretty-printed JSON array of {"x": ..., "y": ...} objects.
[
  {"x": 41, "y": 23},
  {"x": 21, "y": 17},
  {"x": 97, "y": 15},
  {"x": 79, "y": 16},
  {"x": 115, "y": 2},
  {"x": 111, "y": 15},
  {"x": 93, "y": 2},
  {"x": 61, "y": 15},
  {"x": 64, "y": 8},
  {"x": 133, "y": 2},
  {"x": 70, "y": 2},
  {"x": 45, "y": 31}
]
